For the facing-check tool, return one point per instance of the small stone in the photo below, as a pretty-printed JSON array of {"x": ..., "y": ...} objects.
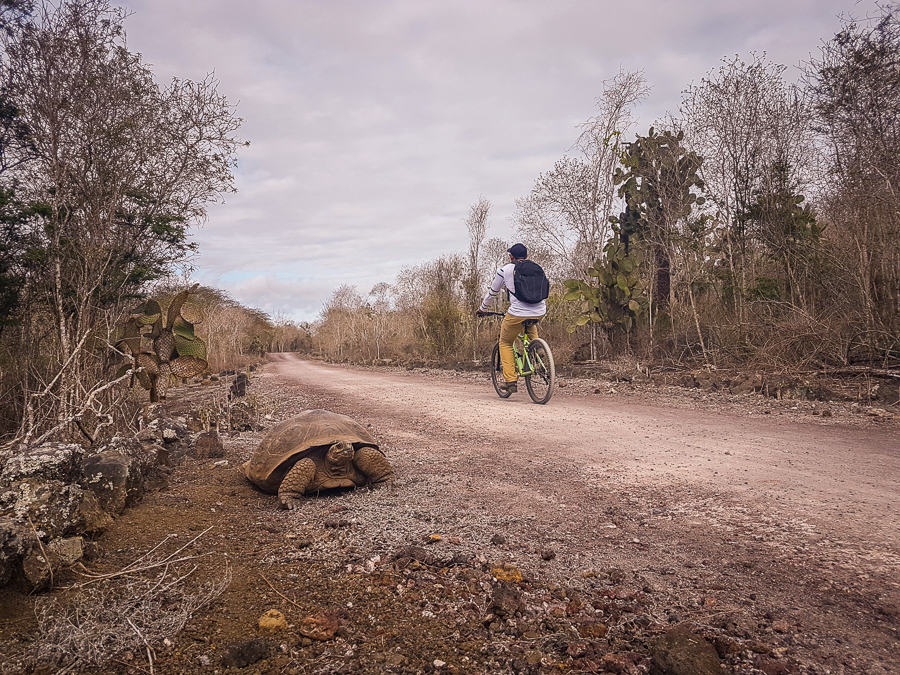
[
  {"x": 243, "y": 654},
  {"x": 781, "y": 627},
  {"x": 593, "y": 629},
  {"x": 681, "y": 652},
  {"x": 759, "y": 647},
  {"x": 770, "y": 666},
  {"x": 506, "y": 602},
  {"x": 439, "y": 664},
  {"x": 498, "y": 539},
  {"x": 533, "y": 658},
  {"x": 204, "y": 660},
  {"x": 509, "y": 573},
  {"x": 208, "y": 445},
  {"x": 622, "y": 663},
  {"x": 548, "y": 554},
  {"x": 272, "y": 622},
  {"x": 319, "y": 627},
  {"x": 66, "y": 551}
]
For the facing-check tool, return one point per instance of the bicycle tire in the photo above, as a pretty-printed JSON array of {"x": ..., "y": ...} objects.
[
  {"x": 542, "y": 382},
  {"x": 497, "y": 372}
]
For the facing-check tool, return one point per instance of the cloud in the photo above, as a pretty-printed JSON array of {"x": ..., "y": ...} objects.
[{"x": 375, "y": 124}]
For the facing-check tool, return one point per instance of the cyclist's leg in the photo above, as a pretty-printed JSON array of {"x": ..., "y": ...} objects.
[{"x": 509, "y": 331}]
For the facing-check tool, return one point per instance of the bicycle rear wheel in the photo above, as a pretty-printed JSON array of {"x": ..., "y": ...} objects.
[
  {"x": 542, "y": 382},
  {"x": 497, "y": 372}
]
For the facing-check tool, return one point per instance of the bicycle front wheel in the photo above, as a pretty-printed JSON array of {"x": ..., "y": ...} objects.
[
  {"x": 542, "y": 381},
  {"x": 497, "y": 372}
]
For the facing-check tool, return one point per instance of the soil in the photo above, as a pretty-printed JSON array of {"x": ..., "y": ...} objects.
[{"x": 517, "y": 538}]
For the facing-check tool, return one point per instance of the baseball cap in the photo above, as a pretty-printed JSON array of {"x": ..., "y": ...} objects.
[{"x": 518, "y": 251}]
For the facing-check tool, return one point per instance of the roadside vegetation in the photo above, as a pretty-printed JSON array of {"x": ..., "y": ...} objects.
[{"x": 757, "y": 227}]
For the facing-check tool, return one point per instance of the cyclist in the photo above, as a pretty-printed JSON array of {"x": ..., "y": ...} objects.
[{"x": 517, "y": 313}]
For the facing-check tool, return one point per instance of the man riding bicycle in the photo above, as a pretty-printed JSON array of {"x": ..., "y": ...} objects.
[{"x": 517, "y": 313}]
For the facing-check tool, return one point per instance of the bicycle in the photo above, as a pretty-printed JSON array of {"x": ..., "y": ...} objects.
[{"x": 534, "y": 362}]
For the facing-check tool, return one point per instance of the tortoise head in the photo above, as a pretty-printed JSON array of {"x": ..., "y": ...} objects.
[{"x": 340, "y": 453}]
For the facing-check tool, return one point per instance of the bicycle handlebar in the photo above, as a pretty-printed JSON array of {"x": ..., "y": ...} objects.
[{"x": 493, "y": 314}]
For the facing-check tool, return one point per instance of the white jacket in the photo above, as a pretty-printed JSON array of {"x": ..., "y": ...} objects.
[{"x": 503, "y": 278}]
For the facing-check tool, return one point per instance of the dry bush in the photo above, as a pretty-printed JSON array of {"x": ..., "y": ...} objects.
[
  {"x": 135, "y": 609},
  {"x": 799, "y": 340}
]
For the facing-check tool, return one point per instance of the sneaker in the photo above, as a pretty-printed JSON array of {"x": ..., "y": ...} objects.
[{"x": 509, "y": 387}]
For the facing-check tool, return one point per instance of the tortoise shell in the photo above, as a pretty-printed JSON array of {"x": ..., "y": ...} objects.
[{"x": 310, "y": 433}]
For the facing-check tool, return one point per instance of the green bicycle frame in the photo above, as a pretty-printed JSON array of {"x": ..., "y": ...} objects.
[{"x": 523, "y": 362}]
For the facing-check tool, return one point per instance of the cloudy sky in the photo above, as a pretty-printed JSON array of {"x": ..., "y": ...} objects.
[{"x": 375, "y": 124}]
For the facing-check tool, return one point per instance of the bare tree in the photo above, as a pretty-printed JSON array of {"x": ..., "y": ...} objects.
[
  {"x": 380, "y": 305},
  {"x": 855, "y": 90},
  {"x": 342, "y": 322},
  {"x": 568, "y": 209},
  {"x": 476, "y": 224},
  {"x": 743, "y": 119}
]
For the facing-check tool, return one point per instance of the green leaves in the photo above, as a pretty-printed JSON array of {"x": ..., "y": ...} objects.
[{"x": 617, "y": 298}]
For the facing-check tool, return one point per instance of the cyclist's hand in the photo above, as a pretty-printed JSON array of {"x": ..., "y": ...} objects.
[{"x": 479, "y": 313}]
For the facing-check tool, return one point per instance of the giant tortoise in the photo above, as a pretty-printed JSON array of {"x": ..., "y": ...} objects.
[{"x": 316, "y": 450}]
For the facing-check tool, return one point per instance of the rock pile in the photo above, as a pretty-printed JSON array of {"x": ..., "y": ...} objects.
[{"x": 55, "y": 497}]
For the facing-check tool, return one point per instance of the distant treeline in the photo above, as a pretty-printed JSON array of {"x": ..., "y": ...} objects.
[{"x": 759, "y": 225}]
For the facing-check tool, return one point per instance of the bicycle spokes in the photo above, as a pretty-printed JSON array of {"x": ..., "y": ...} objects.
[{"x": 542, "y": 380}]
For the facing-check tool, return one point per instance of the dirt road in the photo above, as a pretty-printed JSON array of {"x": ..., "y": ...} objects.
[
  {"x": 792, "y": 516},
  {"x": 519, "y": 539},
  {"x": 841, "y": 480}
]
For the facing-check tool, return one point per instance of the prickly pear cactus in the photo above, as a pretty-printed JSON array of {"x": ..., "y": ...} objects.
[
  {"x": 163, "y": 349},
  {"x": 618, "y": 296}
]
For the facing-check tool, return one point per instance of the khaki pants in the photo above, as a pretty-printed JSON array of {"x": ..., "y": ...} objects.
[{"x": 509, "y": 331}]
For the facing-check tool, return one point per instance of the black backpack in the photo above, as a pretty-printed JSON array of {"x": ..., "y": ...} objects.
[{"x": 531, "y": 284}]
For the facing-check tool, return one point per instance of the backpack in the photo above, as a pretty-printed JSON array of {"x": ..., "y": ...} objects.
[{"x": 531, "y": 284}]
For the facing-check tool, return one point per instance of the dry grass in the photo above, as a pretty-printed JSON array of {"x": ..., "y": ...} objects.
[{"x": 136, "y": 608}]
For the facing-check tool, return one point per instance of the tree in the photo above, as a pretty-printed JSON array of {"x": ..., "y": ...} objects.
[
  {"x": 743, "y": 119},
  {"x": 442, "y": 303},
  {"x": 380, "y": 312},
  {"x": 15, "y": 149},
  {"x": 476, "y": 224},
  {"x": 787, "y": 230},
  {"x": 854, "y": 85},
  {"x": 568, "y": 209},
  {"x": 122, "y": 168},
  {"x": 659, "y": 183},
  {"x": 339, "y": 320}
]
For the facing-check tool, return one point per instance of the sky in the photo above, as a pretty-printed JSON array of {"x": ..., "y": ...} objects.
[{"x": 374, "y": 125}]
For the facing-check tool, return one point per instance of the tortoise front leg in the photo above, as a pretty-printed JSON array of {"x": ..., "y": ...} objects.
[
  {"x": 373, "y": 465},
  {"x": 292, "y": 488}
]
